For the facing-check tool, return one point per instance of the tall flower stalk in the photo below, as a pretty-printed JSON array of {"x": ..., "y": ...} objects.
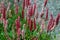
[
  {"x": 50, "y": 23},
  {"x": 3, "y": 10},
  {"x": 57, "y": 18},
  {"x": 18, "y": 27}
]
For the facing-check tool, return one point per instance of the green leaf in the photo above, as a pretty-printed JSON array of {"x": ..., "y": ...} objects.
[{"x": 10, "y": 34}]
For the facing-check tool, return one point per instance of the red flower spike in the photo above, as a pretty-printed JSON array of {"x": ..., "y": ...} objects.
[
  {"x": 3, "y": 10},
  {"x": 24, "y": 4},
  {"x": 52, "y": 25},
  {"x": 34, "y": 23},
  {"x": 4, "y": 13},
  {"x": 50, "y": 22},
  {"x": 22, "y": 13},
  {"x": 17, "y": 24},
  {"x": 46, "y": 13},
  {"x": 28, "y": 2},
  {"x": 57, "y": 19},
  {"x": 31, "y": 10},
  {"x": 30, "y": 25},
  {"x": 45, "y": 2}
]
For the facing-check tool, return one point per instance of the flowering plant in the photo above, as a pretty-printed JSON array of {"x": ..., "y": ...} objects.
[{"x": 22, "y": 21}]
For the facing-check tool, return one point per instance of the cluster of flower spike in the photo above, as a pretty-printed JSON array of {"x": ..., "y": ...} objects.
[{"x": 31, "y": 14}]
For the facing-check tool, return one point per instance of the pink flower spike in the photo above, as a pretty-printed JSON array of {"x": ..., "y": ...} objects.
[{"x": 18, "y": 34}]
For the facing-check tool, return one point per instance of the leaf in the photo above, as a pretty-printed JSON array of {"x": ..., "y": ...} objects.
[{"x": 10, "y": 34}]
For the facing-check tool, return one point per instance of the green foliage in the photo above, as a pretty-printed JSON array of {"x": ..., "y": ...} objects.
[{"x": 44, "y": 36}]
